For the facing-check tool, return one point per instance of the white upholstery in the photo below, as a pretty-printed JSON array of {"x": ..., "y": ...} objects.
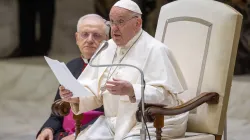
[
  {"x": 203, "y": 36},
  {"x": 197, "y": 136}
]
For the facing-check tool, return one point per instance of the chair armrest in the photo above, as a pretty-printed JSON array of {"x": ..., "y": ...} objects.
[
  {"x": 60, "y": 108},
  {"x": 152, "y": 110}
]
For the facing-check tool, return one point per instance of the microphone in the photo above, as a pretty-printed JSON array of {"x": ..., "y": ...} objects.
[{"x": 103, "y": 46}]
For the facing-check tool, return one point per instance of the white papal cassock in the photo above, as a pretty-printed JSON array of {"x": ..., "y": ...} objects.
[{"x": 163, "y": 82}]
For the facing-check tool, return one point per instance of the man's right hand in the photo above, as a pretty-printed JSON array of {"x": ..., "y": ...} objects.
[
  {"x": 66, "y": 95},
  {"x": 46, "y": 134}
]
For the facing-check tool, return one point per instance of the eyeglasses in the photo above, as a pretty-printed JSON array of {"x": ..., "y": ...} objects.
[
  {"x": 121, "y": 22},
  {"x": 95, "y": 36}
]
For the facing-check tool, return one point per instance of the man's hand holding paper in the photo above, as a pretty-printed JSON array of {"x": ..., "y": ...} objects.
[
  {"x": 70, "y": 86},
  {"x": 67, "y": 95}
]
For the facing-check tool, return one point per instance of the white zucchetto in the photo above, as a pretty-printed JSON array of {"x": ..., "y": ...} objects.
[{"x": 129, "y": 5}]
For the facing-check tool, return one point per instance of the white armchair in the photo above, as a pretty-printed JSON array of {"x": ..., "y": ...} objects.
[{"x": 203, "y": 36}]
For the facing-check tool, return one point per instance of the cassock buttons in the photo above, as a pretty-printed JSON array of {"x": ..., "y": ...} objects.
[{"x": 123, "y": 52}]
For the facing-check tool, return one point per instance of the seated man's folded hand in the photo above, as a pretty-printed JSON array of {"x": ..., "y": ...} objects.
[
  {"x": 66, "y": 95},
  {"x": 46, "y": 134},
  {"x": 120, "y": 87}
]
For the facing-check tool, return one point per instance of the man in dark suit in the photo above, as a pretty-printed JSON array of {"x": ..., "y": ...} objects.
[
  {"x": 29, "y": 13},
  {"x": 91, "y": 31}
]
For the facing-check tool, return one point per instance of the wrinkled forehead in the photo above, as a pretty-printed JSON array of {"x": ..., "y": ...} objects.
[
  {"x": 118, "y": 12},
  {"x": 92, "y": 25}
]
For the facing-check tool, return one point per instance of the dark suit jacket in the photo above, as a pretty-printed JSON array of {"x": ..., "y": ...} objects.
[{"x": 55, "y": 122}]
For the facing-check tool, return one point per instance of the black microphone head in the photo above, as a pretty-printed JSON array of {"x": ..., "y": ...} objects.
[{"x": 103, "y": 45}]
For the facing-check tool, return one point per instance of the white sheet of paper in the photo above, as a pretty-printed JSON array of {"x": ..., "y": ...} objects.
[{"x": 66, "y": 79}]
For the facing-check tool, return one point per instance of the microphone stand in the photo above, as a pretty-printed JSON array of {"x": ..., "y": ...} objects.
[{"x": 143, "y": 129}]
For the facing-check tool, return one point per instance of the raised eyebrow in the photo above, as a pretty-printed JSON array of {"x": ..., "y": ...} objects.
[
  {"x": 96, "y": 34},
  {"x": 120, "y": 18}
]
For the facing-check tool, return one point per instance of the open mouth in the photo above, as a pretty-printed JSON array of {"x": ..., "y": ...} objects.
[{"x": 116, "y": 35}]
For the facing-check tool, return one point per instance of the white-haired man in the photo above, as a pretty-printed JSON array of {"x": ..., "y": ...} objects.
[
  {"x": 118, "y": 89},
  {"x": 91, "y": 31}
]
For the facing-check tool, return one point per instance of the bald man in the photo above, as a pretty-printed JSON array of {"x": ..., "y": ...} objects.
[{"x": 91, "y": 31}]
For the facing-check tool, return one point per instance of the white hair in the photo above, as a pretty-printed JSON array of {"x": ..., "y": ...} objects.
[{"x": 105, "y": 22}]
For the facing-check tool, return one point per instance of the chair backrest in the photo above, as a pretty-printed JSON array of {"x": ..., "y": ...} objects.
[{"x": 203, "y": 36}]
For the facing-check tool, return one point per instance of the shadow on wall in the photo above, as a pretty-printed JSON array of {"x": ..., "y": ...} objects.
[{"x": 242, "y": 65}]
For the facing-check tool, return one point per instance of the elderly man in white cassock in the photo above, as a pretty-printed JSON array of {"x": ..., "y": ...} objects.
[{"x": 118, "y": 89}]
